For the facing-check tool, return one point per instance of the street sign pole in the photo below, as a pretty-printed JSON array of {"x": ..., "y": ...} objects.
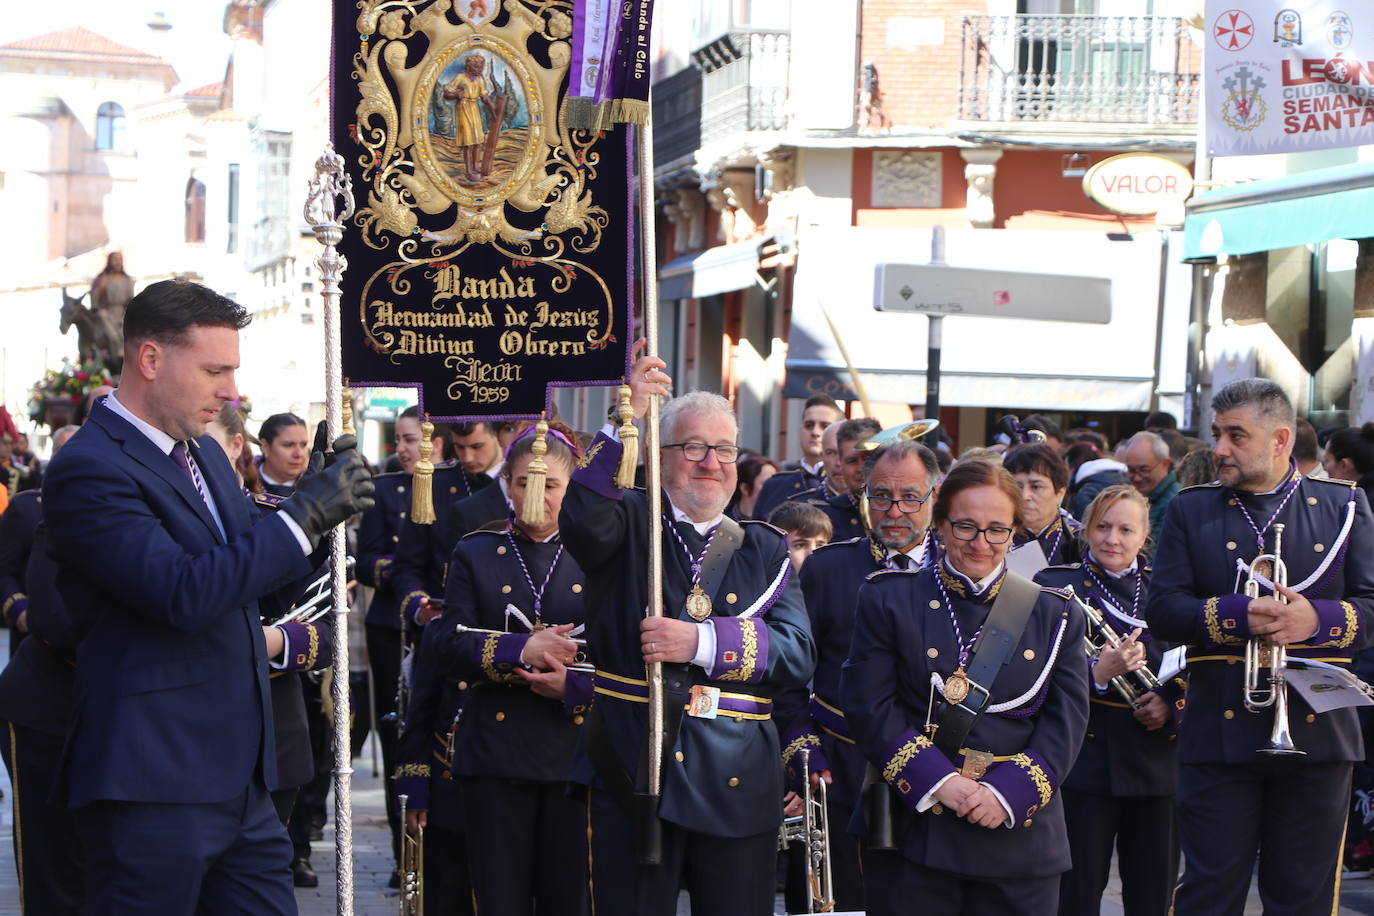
[{"x": 934, "y": 333}]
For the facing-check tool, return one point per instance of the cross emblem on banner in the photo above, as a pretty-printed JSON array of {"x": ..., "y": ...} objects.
[{"x": 1233, "y": 30}]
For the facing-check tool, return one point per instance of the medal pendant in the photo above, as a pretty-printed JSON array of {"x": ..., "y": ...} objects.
[
  {"x": 538, "y": 625},
  {"x": 956, "y": 688},
  {"x": 698, "y": 604}
]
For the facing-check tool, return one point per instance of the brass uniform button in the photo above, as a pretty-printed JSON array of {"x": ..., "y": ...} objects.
[
  {"x": 500, "y": 717},
  {"x": 462, "y": 685},
  {"x": 731, "y": 598},
  {"x": 679, "y": 756},
  {"x": 937, "y": 809},
  {"x": 501, "y": 551},
  {"x": 732, "y": 781},
  {"x": 401, "y": 488},
  {"x": 934, "y": 605},
  {"x": 577, "y": 588},
  {"x": 1229, "y": 714},
  {"x": 1230, "y": 545},
  {"x": 403, "y": 515},
  {"x": 1311, "y": 717},
  {"x": 933, "y": 652},
  {"x": 577, "y": 720},
  {"x": 1311, "y": 500},
  {"x": 395, "y": 538},
  {"x": 1028, "y": 822},
  {"x": 1318, "y": 547},
  {"x": 1029, "y": 654},
  {"x": 1231, "y": 501},
  {"x": 452, "y": 490},
  {"x": 505, "y": 589}
]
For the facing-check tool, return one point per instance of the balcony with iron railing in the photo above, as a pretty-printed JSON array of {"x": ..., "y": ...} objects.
[{"x": 1079, "y": 74}]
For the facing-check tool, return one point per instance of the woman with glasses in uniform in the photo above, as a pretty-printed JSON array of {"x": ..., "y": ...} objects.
[
  {"x": 969, "y": 739},
  {"x": 1120, "y": 792}
]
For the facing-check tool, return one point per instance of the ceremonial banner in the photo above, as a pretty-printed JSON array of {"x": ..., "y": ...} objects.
[
  {"x": 492, "y": 254},
  {"x": 1285, "y": 76}
]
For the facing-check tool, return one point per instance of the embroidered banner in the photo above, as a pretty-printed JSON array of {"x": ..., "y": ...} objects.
[
  {"x": 1285, "y": 76},
  {"x": 492, "y": 254}
]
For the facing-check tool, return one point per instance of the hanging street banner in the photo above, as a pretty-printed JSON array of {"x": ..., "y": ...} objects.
[
  {"x": 492, "y": 254},
  {"x": 1287, "y": 76}
]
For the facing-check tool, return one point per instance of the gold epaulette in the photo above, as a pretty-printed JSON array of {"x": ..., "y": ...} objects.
[{"x": 269, "y": 500}]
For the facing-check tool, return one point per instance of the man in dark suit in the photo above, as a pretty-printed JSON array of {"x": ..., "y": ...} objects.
[
  {"x": 1235, "y": 802},
  {"x": 733, "y": 633},
  {"x": 170, "y": 756}
]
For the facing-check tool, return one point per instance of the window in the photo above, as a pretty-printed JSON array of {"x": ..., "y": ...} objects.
[
  {"x": 109, "y": 126},
  {"x": 233, "y": 215},
  {"x": 195, "y": 211}
]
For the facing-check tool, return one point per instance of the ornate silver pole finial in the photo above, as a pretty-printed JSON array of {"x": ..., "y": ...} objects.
[{"x": 328, "y": 207}]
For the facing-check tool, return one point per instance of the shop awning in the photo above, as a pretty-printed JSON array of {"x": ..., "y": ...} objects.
[
  {"x": 985, "y": 362},
  {"x": 722, "y": 269},
  {"x": 1300, "y": 209}
]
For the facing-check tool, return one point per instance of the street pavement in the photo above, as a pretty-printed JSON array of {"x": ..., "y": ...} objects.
[{"x": 372, "y": 858}]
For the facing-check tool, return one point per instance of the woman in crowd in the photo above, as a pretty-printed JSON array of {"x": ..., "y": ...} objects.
[
  {"x": 752, "y": 473},
  {"x": 971, "y": 736},
  {"x": 1350, "y": 456},
  {"x": 1120, "y": 792},
  {"x": 285, "y": 448},
  {"x": 1044, "y": 480}
]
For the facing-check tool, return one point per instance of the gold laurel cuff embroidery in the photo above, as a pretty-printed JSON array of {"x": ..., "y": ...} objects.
[
  {"x": 591, "y": 453},
  {"x": 9, "y": 602},
  {"x": 377, "y": 568},
  {"x": 905, "y": 754},
  {"x": 412, "y": 769},
  {"x": 796, "y": 746},
  {"x": 1213, "y": 625},
  {"x": 1346, "y": 638},
  {"x": 749, "y": 653},
  {"x": 418, "y": 593},
  {"x": 1037, "y": 776},
  {"x": 489, "y": 645},
  {"x": 314, "y": 647}
]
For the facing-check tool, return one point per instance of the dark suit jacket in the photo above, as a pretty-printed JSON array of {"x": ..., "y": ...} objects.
[
  {"x": 17, "y": 525},
  {"x": 172, "y": 699},
  {"x": 36, "y": 687}
]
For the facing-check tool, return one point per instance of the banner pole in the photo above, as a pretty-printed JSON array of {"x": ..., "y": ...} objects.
[
  {"x": 652, "y": 468},
  {"x": 328, "y": 206}
]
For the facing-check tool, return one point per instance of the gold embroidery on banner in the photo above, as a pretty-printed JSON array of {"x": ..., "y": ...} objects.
[
  {"x": 591, "y": 453},
  {"x": 1037, "y": 775},
  {"x": 749, "y": 649},
  {"x": 905, "y": 754}
]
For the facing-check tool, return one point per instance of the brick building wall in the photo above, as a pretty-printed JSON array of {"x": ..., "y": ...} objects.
[{"x": 915, "y": 46}]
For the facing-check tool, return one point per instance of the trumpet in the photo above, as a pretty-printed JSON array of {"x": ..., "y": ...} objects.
[
  {"x": 580, "y": 663},
  {"x": 412, "y": 866},
  {"x": 314, "y": 603},
  {"x": 1133, "y": 684},
  {"x": 917, "y": 429},
  {"x": 812, "y": 827},
  {"x": 1261, "y": 654}
]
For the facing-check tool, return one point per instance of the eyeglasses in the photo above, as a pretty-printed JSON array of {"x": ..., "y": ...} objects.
[
  {"x": 967, "y": 531},
  {"x": 1141, "y": 470},
  {"x": 696, "y": 451},
  {"x": 907, "y": 504}
]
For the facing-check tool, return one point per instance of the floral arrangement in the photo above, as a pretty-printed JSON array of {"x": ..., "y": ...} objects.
[{"x": 71, "y": 384}]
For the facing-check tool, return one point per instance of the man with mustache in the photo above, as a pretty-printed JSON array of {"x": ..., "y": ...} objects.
[{"x": 1235, "y": 801}]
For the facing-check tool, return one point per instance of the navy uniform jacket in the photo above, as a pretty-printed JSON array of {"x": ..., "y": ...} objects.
[
  {"x": 1059, "y": 540},
  {"x": 423, "y": 551},
  {"x": 845, "y": 514},
  {"x": 508, "y": 729},
  {"x": 1195, "y": 599},
  {"x": 1119, "y": 757},
  {"x": 830, "y": 582},
  {"x": 170, "y": 645},
  {"x": 722, "y": 777},
  {"x": 17, "y": 525},
  {"x": 378, "y": 536},
  {"x": 903, "y": 635},
  {"x": 309, "y": 647},
  {"x": 485, "y": 506},
  {"x": 37, "y": 686},
  {"x": 783, "y": 486},
  {"x": 424, "y": 750}
]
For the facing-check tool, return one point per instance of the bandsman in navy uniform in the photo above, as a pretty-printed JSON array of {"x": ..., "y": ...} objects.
[
  {"x": 970, "y": 737},
  {"x": 285, "y": 445},
  {"x": 734, "y": 632},
  {"x": 819, "y": 413},
  {"x": 845, "y": 508},
  {"x": 901, "y": 481},
  {"x": 527, "y": 845},
  {"x": 1120, "y": 793},
  {"x": 378, "y": 536},
  {"x": 1233, "y": 802},
  {"x": 424, "y": 550},
  {"x": 1044, "y": 480}
]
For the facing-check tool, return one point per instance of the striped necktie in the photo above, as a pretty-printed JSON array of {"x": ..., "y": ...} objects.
[{"x": 181, "y": 454}]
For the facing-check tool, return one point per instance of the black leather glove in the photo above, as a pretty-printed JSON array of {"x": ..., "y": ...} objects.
[
  {"x": 331, "y": 495},
  {"x": 320, "y": 458}
]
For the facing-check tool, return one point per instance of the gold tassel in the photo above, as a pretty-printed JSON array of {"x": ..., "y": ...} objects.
[
  {"x": 422, "y": 486},
  {"x": 629, "y": 441},
  {"x": 532, "y": 513},
  {"x": 346, "y": 426}
]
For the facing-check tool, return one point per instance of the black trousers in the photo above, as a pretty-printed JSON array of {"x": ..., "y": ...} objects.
[
  {"x": 528, "y": 853},
  {"x": 210, "y": 859},
  {"x": 723, "y": 875},
  {"x": 1142, "y": 830},
  {"x": 384, "y": 665},
  {"x": 311, "y": 808},
  {"x": 1289, "y": 813},
  {"x": 898, "y": 887},
  {"x": 46, "y": 851},
  {"x": 448, "y": 887}
]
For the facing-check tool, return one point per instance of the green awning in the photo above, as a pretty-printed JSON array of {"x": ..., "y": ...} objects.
[{"x": 1300, "y": 209}]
